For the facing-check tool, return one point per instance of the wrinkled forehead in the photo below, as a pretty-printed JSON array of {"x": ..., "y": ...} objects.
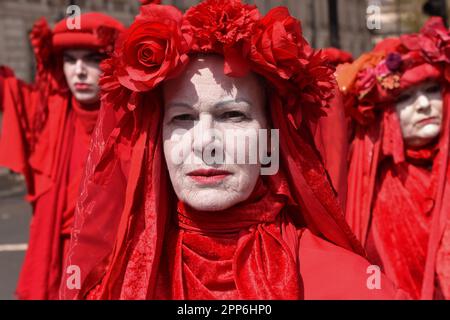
[{"x": 204, "y": 81}]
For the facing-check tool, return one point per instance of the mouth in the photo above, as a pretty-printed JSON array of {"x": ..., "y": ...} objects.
[
  {"x": 79, "y": 86},
  {"x": 208, "y": 176},
  {"x": 430, "y": 120}
]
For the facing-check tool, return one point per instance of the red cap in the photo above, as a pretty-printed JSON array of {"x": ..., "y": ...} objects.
[{"x": 97, "y": 31}]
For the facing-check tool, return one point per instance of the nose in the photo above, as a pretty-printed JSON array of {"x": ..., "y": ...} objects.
[
  {"x": 422, "y": 102},
  {"x": 80, "y": 68},
  {"x": 203, "y": 133}
]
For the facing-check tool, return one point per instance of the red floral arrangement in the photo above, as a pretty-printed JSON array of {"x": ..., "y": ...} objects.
[
  {"x": 378, "y": 77},
  {"x": 158, "y": 44},
  {"x": 381, "y": 81}
]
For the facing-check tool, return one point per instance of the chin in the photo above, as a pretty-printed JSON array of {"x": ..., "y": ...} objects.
[
  {"x": 86, "y": 98},
  {"x": 205, "y": 201},
  {"x": 429, "y": 132}
]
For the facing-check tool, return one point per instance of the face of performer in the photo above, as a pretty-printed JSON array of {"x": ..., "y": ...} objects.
[
  {"x": 82, "y": 71},
  {"x": 201, "y": 106},
  {"x": 420, "y": 113}
]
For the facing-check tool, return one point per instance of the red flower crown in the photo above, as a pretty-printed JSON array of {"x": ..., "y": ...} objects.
[
  {"x": 159, "y": 43},
  {"x": 376, "y": 76}
]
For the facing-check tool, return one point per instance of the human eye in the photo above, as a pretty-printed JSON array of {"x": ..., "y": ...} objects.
[
  {"x": 183, "y": 117},
  {"x": 68, "y": 59},
  {"x": 433, "y": 88},
  {"x": 404, "y": 97},
  {"x": 234, "y": 115},
  {"x": 95, "y": 58}
]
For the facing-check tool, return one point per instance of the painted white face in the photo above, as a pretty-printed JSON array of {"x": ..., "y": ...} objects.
[
  {"x": 82, "y": 72},
  {"x": 201, "y": 107},
  {"x": 420, "y": 113}
]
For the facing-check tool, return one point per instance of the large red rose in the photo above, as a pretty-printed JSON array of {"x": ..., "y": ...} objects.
[
  {"x": 152, "y": 49},
  {"x": 281, "y": 54},
  {"x": 224, "y": 27},
  {"x": 278, "y": 46}
]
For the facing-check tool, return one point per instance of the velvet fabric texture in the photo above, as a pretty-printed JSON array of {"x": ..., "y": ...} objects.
[
  {"x": 398, "y": 197},
  {"x": 45, "y": 136}
]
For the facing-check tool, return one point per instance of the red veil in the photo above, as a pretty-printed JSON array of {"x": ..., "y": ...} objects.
[
  {"x": 126, "y": 203},
  {"x": 399, "y": 209},
  {"x": 45, "y": 135}
]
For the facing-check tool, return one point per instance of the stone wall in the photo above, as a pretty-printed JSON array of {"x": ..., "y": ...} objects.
[{"x": 18, "y": 16}]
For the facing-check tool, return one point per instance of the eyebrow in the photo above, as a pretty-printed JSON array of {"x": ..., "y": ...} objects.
[
  {"x": 90, "y": 55},
  {"x": 217, "y": 105}
]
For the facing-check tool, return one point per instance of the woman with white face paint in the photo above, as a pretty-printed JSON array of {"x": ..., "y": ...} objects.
[
  {"x": 187, "y": 97},
  {"x": 420, "y": 112},
  {"x": 46, "y": 134},
  {"x": 399, "y": 194}
]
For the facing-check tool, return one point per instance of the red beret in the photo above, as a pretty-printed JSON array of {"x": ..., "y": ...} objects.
[{"x": 97, "y": 31}]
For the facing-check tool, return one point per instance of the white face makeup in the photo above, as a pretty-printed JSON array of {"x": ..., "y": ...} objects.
[
  {"x": 420, "y": 113},
  {"x": 82, "y": 72},
  {"x": 203, "y": 99}
]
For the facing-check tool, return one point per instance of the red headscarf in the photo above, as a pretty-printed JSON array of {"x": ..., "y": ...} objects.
[
  {"x": 132, "y": 239},
  {"x": 45, "y": 136},
  {"x": 396, "y": 206}
]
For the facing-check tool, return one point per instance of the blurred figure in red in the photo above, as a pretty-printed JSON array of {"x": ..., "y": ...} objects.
[
  {"x": 46, "y": 133},
  {"x": 398, "y": 200}
]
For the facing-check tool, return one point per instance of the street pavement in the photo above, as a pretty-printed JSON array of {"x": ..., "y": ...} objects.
[{"x": 15, "y": 214}]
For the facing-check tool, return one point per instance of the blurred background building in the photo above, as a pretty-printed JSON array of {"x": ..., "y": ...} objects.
[{"x": 353, "y": 25}]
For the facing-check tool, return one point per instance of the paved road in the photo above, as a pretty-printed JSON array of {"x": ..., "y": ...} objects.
[{"x": 15, "y": 215}]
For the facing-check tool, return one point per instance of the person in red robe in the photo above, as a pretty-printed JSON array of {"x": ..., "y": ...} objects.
[
  {"x": 157, "y": 219},
  {"x": 46, "y": 134},
  {"x": 398, "y": 200}
]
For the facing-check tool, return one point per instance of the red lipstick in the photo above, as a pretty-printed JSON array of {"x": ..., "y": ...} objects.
[
  {"x": 82, "y": 86},
  {"x": 208, "y": 176}
]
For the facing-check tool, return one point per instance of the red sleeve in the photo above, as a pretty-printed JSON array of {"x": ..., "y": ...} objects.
[
  {"x": 17, "y": 107},
  {"x": 332, "y": 273}
]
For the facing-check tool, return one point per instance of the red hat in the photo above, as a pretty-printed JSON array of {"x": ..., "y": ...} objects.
[
  {"x": 97, "y": 31},
  {"x": 396, "y": 64}
]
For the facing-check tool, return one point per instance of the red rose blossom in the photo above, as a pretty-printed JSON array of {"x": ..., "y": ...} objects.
[
  {"x": 278, "y": 45},
  {"x": 224, "y": 27},
  {"x": 281, "y": 54},
  {"x": 152, "y": 49}
]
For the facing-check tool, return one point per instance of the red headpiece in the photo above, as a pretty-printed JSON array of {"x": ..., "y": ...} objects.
[
  {"x": 96, "y": 31},
  {"x": 396, "y": 64}
]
